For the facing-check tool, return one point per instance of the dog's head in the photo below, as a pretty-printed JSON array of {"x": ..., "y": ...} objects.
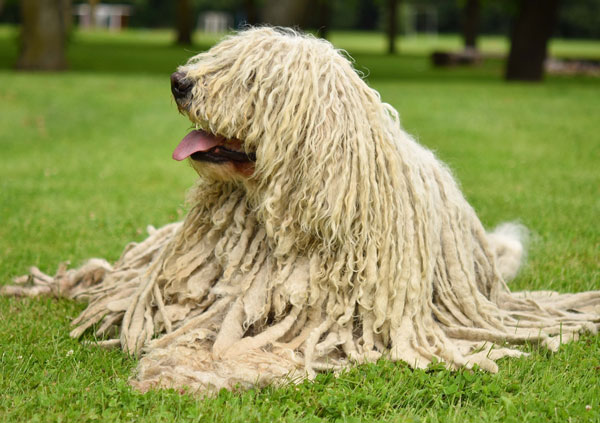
[{"x": 288, "y": 116}]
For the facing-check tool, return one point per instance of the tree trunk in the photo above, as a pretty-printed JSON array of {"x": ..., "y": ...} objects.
[
  {"x": 323, "y": 9},
  {"x": 392, "y": 27},
  {"x": 368, "y": 15},
  {"x": 251, "y": 13},
  {"x": 285, "y": 12},
  {"x": 183, "y": 16},
  {"x": 470, "y": 24},
  {"x": 67, "y": 17},
  {"x": 43, "y": 35},
  {"x": 93, "y": 4},
  {"x": 529, "y": 42}
]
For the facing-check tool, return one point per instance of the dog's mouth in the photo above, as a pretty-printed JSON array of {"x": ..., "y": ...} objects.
[{"x": 203, "y": 146}]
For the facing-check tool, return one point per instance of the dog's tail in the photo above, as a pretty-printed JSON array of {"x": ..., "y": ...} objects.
[{"x": 509, "y": 242}]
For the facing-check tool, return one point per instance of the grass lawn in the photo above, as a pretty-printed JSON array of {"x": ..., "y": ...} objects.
[{"x": 85, "y": 166}]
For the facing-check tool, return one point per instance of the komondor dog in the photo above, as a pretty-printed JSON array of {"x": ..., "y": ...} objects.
[{"x": 319, "y": 235}]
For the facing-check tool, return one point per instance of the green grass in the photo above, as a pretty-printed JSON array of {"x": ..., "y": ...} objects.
[{"x": 85, "y": 166}]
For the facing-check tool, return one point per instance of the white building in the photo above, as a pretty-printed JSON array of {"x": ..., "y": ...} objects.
[
  {"x": 215, "y": 22},
  {"x": 111, "y": 16}
]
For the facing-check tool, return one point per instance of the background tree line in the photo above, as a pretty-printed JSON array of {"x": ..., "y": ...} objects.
[
  {"x": 576, "y": 19},
  {"x": 45, "y": 24}
]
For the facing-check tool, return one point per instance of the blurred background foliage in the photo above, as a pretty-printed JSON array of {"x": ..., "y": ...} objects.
[{"x": 576, "y": 19}]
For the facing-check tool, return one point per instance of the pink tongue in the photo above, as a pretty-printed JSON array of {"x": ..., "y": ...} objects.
[{"x": 194, "y": 142}]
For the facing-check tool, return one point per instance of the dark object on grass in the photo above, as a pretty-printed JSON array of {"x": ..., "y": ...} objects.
[
  {"x": 590, "y": 67},
  {"x": 454, "y": 58}
]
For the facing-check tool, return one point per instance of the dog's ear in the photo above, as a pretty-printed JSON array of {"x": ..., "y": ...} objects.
[{"x": 320, "y": 169}]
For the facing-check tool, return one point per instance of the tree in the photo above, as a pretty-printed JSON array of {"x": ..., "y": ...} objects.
[
  {"x": 392, "y": 25},
  {"x": 183, "y": 22},
  {"x": 323, "y": 8},
  {"x": 529, "y": 41},
  {"x": 93, "y": 7},
  {"x": 43, "y": 35},
  {"x": 251, "y": 12},
  {"x": 471, "y": 14},
  {"x": 285, "y": 12},
  {"x": 368, "y": 15}
]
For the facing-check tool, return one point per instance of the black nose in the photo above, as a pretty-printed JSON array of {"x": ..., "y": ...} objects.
[{"x": 180, "y": 87}]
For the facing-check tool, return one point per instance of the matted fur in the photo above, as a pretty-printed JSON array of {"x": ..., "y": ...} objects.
[{"x": 349, "y": 243}]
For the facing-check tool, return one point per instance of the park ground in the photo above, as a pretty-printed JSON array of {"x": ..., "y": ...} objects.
[{"x": 85, "y": 166}]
